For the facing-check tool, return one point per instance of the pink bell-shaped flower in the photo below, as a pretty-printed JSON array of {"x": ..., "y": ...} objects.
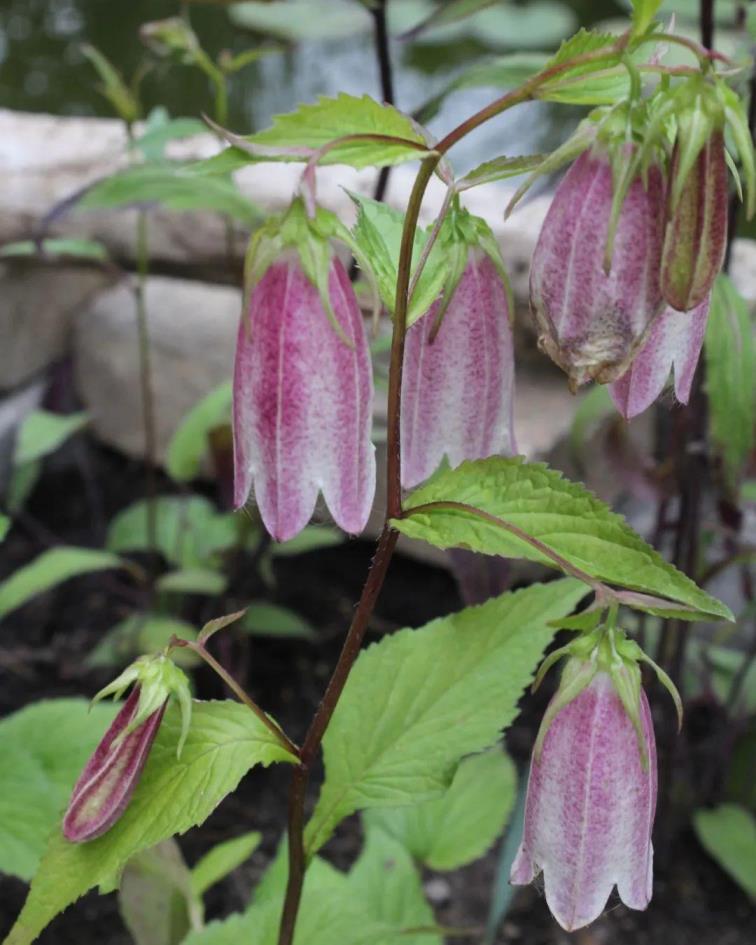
[
  {"x": 591, "y": 797},
  {"x": 458, "y": 374},
  {"x": 591, "y": 319},
  {"x": 303, "y": 398},
  {"x": 674, "y": 343}
]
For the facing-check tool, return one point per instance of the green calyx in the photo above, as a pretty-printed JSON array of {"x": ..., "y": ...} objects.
[{"x": 158, "y": 679}]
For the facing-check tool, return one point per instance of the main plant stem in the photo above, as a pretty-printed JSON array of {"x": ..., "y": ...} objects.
[{"x": 387, "y": 541}]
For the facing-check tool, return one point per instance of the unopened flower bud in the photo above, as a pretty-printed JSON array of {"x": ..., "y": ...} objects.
[{"x": 592, "y": 317}]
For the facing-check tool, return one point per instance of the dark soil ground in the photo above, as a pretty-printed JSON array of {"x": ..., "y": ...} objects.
[{"x": 42, "y": 652}]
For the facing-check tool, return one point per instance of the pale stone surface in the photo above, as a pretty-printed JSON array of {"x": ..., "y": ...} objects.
[
  {"x": 192, "y": 328},
  {"x": 38, "y": 303}
]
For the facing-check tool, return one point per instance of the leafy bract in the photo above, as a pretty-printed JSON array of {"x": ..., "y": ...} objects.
[
  {"x": 189, "y": 443},
  {"x": 378, "y": 233},
  {"x": 728, "y": 833},
  {"x": 730, "y": 380},
  {"x": 456, "y": 828},
  {"x": 173, "y": 188},
  {"x": 50, "y": 568},
  {"x": 562, "y": 515},
  {"x": 420, "y": 700},
  {"x": 386, "y": 136},
  {"x": 225, "y": 740},
  {"x": 43, "y": 749}
]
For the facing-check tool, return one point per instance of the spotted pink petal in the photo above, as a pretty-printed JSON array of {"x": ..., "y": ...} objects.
[
  {"x": 458, "y": 390},
  {"x": 104, "y": 788},
  {"x": 590, "y": 323},
  {"x": 303, "y": 402},
  {"x": 590, "y": 808},
  {"x": 674, "y": 342}
]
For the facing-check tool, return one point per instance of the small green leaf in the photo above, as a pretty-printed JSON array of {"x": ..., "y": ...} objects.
[
  {"x": 299, "y": 20},
  {"x": 43, "y": 432},
  {"x": 730, "y": 377},
  {"x": 297, "y": 135},
  {"x": 223, "y": 859},
  {"x": 22, "y": 482},
  {"x": 499, "y": 168},
  {"x": 113, "y": 88},
  {"x": 419, "y": 700},
  {"x": 43, "y": 747},
  {"x": 192, "y": 581},
  {"x": 172, "y": 187},
  {"x": 50, "y": 568},
  {"x": 56, "y": 248},
  {"x": 594, "y": 407},
  {"x": 152, "y": 143},
  {"x": 4, "y": 526},
  {"x": 644, "y": 12},
  {"x": 728, "y": 834},
  {"x": 562, "y": 515},
  {"x": 189, "y": 443},
  {"x": 311, "y": 538},
  {"x": 271, "y": 620},
  {"x": 189, "y": 531},
  {"x": 378, "y": 233},
  {"x": 225, "y": 740},
  {"x": 460, "y": 826},
  {"x": 143, "y": 633}
]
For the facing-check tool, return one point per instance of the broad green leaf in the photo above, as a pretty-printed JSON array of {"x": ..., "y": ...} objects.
[
  {"x": 387, "y": 886},
  {"x": 189, "y": 443},
  {"x": 171, "y": 186},
  {"x": 728, "y": 833},
  {"x": 644, "y": 12},
  {"x": 378, "y": 233},
  {"x": 52, "y": 248},
  {"x": 271, "y": 620},
  {"x": 50, "y": 568},
  {"x": 311, "y": 538},
  {"x": 223, "y": 859},
  {"x": 192, "y": 581},
  {"x": 155, "y": 896},
  {"x": 190, "y": 533},
  {"x": 731, "y": 377},
  {"x": 143, "y": 633},
  {"x": 225, "y": 740},
  {"x": 43, "y": 432},
  {"x": 222, "y": 164},
  {"x": 43, "y": 749},
  {"x": 498, "y": 169},
  {"x": 420, "y": 700},
  {"x": 298, "y": 20},
  {"x": 296, "y": 135},
  {"x": 457, "y": 828},
  {"x": 561, "y": 515}
]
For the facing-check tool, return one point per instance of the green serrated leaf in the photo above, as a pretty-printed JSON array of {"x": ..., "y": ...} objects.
[
  {"x": 271, "y": 620},
  {"x": 300, "y": 133},
  {"x": 223, "y": 859},
  {"x": 225, "y": 740},
  {"x": 39, "y": 771},
  {"x": 563, "y": 515},
  {"x": 172, "y": 187},
  {"x": 50, "y": 568},
  {"x": 42, "y": 432},
  {"x": 378, "y": 233},
  {"x": 730, "y": 377},
  {"x": 420, "y": 700},
  {"x": 189, "y": 531},
  {"x": 499, "y": 168},
  {"x": 189, "y": 443},
  {"x": 460, "y": 826},
  {"x": 728, "y": 833},
  {"x": 52, "y": 248}
]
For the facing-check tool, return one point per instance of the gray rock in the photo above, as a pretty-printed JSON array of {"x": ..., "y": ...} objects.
[{"x": 192, "y": 330}]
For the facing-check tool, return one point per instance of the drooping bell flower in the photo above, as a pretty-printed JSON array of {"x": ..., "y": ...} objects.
[
  {"x": 674, "y": 343},
  {"x": 594, "y": 278},
  {"x": 696, "y": 235},
  {"x": 107, "y": 783},
  {"x": 303, "y": 387},
  {"x": 458, "y": 372},
  {"x": 592, "y": 789}
]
